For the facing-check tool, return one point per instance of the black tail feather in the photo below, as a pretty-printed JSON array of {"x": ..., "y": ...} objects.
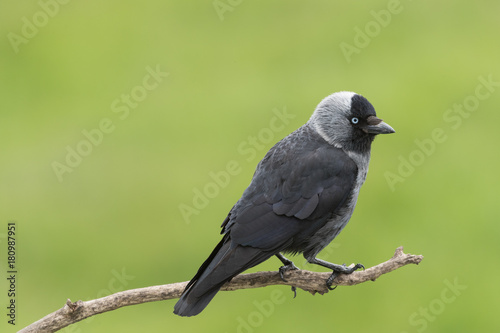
[{"x": 225, "y": 262}]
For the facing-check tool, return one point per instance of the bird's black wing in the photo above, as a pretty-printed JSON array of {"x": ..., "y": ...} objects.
[{"x": 295, "y": 190}]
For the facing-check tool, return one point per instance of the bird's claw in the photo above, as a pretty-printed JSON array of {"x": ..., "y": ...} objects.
[
  {"x": 355, "y": 268},
  {"x": 285, "y": 268},
  {"x": 329, "y": 281},
  {"x": 344, "y": 270}
]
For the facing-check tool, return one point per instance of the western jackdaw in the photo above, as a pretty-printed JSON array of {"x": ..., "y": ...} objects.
[{"x": 301, "y": 196}]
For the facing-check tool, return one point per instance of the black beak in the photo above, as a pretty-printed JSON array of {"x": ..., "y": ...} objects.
[{"x": 377, "y": 126}]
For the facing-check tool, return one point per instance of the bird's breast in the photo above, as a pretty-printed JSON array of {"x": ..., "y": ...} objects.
[{"x": 341, "y": 217}]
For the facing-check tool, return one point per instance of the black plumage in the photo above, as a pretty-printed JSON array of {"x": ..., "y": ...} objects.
[{"x": 301, "y": 196}]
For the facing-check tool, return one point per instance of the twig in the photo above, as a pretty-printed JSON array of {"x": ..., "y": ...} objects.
[{"x": 312, "y": 282}]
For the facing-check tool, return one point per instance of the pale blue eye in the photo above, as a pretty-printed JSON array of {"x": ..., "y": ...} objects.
[{"x": 355, "y": 120}]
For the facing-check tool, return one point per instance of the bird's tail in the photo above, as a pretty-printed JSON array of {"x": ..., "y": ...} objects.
[{"x": 225, "y": 262}]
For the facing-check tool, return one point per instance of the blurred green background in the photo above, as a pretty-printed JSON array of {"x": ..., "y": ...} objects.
[{"x": 110, "y": 218}]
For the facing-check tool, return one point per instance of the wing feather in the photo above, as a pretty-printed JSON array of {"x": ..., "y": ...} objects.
[{"x": 290, "y": 198}]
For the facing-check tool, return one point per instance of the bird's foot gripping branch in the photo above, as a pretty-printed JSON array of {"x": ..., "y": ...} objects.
[{"x": 314, "y": 282}]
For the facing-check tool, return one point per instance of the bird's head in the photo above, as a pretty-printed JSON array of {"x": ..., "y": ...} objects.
[{"x": 348, "y": 121}]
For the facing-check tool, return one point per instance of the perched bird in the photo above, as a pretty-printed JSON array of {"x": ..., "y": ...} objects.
[{"x": 301, "y": 196}]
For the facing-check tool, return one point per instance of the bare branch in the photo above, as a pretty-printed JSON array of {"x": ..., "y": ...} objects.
[{"x": 312, "y": 282}]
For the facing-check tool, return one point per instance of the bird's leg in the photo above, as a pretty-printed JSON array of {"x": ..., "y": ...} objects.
[
  {"x": 288, "y": 265},
  {"x": 337, "y": 269}
]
